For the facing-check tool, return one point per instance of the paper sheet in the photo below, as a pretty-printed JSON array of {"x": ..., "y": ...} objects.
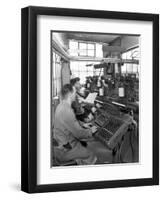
[{"x": 91, "y": 98}]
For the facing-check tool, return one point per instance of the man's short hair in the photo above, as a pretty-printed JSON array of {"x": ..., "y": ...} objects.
[
  {"x": 74, "y": 80},
  {"x": 66, "y": 89}
]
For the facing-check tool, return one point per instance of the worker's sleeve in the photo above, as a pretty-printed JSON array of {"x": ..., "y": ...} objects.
[{"x": 72, "y": 125}]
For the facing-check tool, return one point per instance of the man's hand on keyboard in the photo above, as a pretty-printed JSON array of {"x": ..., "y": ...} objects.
[
  {"x": 93, "y": 129},
  {"x": 93, "y": 109},
  {"x": 87, "y": 125}
]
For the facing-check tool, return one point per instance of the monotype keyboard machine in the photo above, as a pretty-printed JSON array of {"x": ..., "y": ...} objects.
[{"x": 112, "y": 126}]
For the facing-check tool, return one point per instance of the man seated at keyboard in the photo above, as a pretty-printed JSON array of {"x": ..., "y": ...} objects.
[
  {"x": 68, "y": 133},
  {"x": 76, "y": 104},
  {"x": 83, "y": 111}
]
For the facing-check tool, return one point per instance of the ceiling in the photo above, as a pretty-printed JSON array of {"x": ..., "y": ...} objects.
[
  {"x": 111, "y": 42},
  {"x": 103, "y": 38}
]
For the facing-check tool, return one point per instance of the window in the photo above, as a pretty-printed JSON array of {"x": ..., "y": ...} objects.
[
  {"x": 99, "y": 51},
  {"x": 131, "y": 68},
  {"x": 82, "y": 49},
  {"x": 86, "y": 49},
  {"x": 123, "y": 69},
  {"x": 81, "y": 70},
  {"x": 56, "y": 75},
  {"x": 91, "y": 49},
  {"x": 73, "y": 46}
]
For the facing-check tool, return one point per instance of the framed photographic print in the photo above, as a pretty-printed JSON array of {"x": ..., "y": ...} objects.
[{"x": 90, "y": 99}]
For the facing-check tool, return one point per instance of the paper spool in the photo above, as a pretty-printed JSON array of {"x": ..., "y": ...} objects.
[
  {"x": 121, "y": 92},
  {"x": 101, "y": 92}
]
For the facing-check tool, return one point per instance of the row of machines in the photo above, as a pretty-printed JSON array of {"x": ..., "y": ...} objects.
[
  {"x": 123, "y": 86},
  {"x": 119, "y": 96}
]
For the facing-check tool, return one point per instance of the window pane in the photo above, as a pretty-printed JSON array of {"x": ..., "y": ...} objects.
[
  {"x": 74, "y": 66},
  {"x": 127, "y": 55},
  {"x": 58, "y": 70},
  {"x": 82, "y": 66},
  {"x": 73, "y": 44},
  {"x": 82, "y": 45},
  {"x": 54, "y": 57},
  {"x": 83, "y": 52},
  {"x": 99, "y": 51},
  {"x": 75, "y": 74},
  {"x": 90, "y": 52},
  {"x": 136, "y": 53},
  {"x": 74, "y": 53},
  {"x": 53, "y": 65},
  {"x": 97, "y": 72},
  {"x": 53, "y": 70},
  {"x": 91, "y": 46},
  {"x": 90, "y": 73},
  {"x": 124, "y": 56},
  {"x": 135, "y": 68},
  {"x": 123, "y": 68},
  {"x": 129, "y": 68}
]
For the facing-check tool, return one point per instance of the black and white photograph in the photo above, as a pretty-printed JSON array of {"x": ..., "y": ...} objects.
[
  {"x": 94, "y": 98},
  {"x": 90, "y": 92}
]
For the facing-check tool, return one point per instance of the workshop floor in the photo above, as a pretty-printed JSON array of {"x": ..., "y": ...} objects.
[{"x": 126, "y": 154}]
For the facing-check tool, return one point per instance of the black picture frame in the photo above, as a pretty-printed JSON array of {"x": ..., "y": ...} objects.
[{"x": 29, "y": 98}]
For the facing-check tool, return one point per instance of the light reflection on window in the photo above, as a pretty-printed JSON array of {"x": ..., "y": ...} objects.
[
  {"x": 86, "y": 49},
  {"x": 56, "y": 74},
  {"x": 131, "y": 68},
  {"x": 79, "y": 69}
]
